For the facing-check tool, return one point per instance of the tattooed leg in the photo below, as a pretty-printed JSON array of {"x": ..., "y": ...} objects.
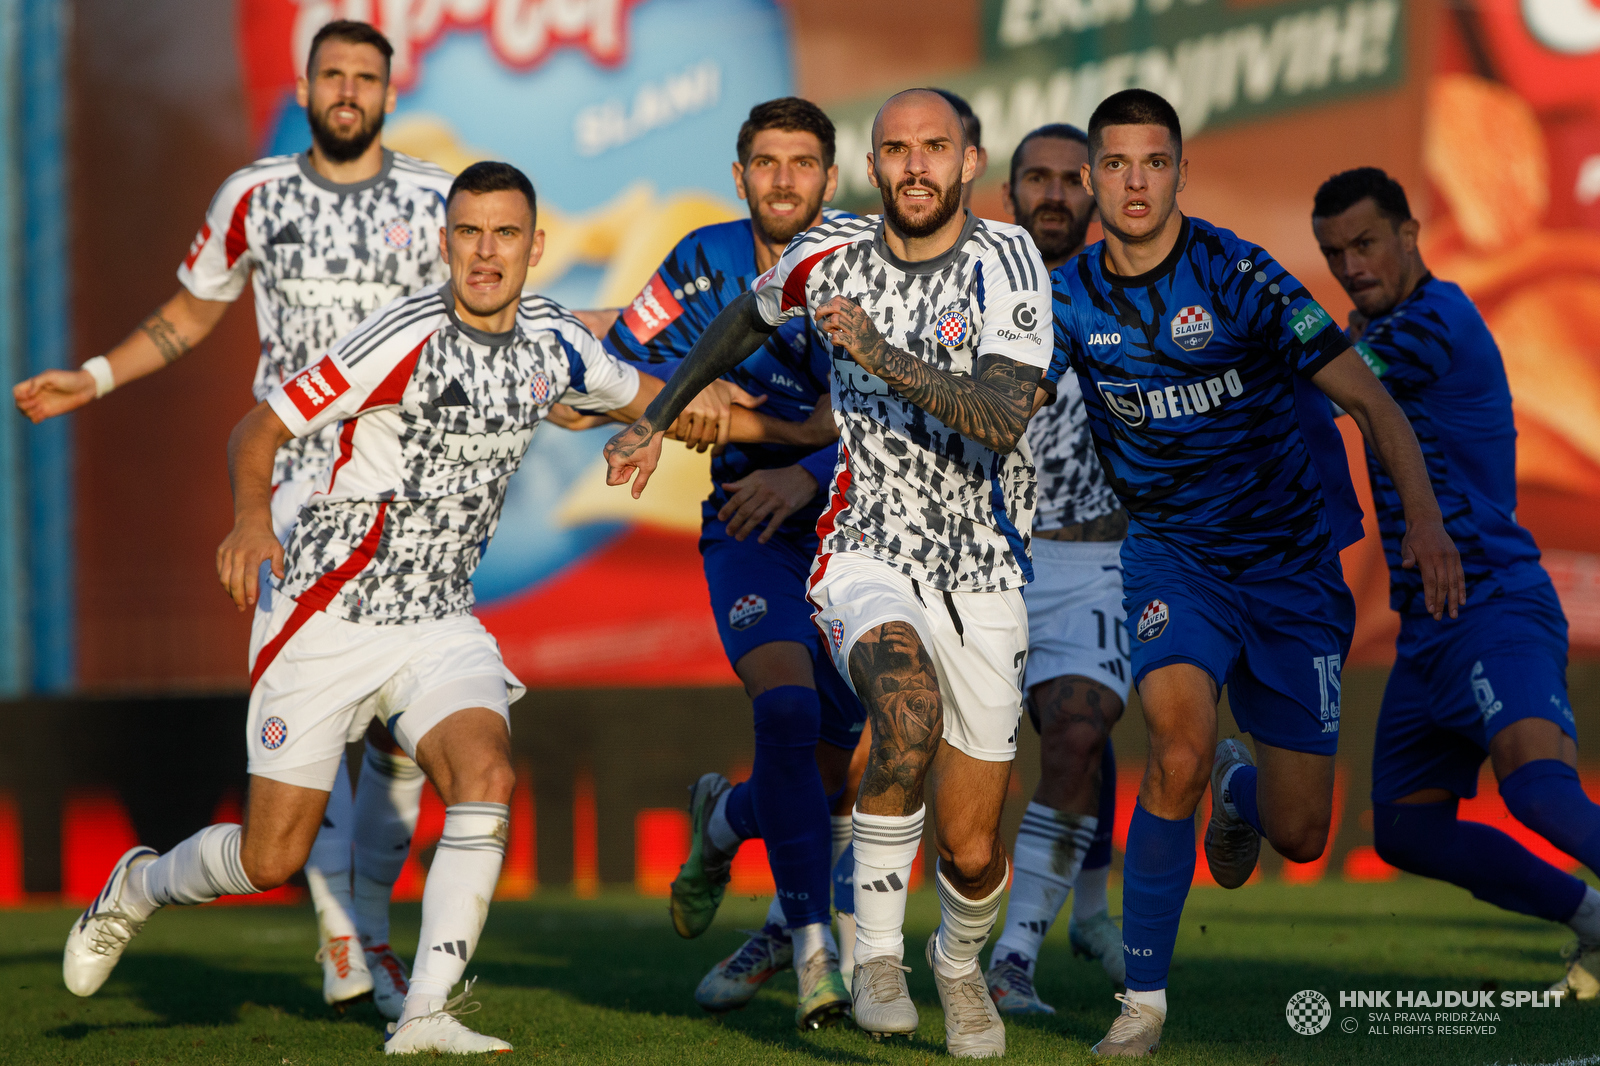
[
  {"x": 1075, "y": 716},
  {"x": 896, "y": 682}
]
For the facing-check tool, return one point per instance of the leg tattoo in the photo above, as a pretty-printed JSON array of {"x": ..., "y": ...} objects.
[{"x": 895, "y": 678}]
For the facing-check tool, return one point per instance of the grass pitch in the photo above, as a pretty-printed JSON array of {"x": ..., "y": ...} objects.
[{"x": 607, "y": 981}]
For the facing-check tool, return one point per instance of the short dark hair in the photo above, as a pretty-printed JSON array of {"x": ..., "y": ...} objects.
[
  {"x": 1059, "y": 131},
  {"x": 1133, "y": 107},
  {"x": 1343, "y": 191},
  {"x": 490, "y": 176},
  {"x": 351, "y": 32},
  {"x": 971, "y": 125},
  {"x": 792, "y": 115}
]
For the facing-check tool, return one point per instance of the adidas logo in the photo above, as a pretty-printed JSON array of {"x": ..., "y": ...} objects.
[
  {"x": 1040, "y": 928},
  {"x": 458, "y": 948},
  {"x": 1116, "y": 667},
  {"x": 289, "y": 234},
  {"x": 894, "y": 884},
  {"x": 453, "y": 396}
]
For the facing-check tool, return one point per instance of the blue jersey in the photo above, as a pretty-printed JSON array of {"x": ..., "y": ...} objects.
[
  {"x": 1435, "y": 356},
  {"x": 1196, "y": 380},
  {"x": 700, "y": 277}
]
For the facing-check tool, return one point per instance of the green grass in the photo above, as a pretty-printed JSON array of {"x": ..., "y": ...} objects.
[{"x": 606, "y": 981}]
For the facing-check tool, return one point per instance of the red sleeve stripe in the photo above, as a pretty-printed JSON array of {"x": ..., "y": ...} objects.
[
  {"x": 238, "y": 240},
  {"x": 393, "y": 387},
  {"x": 794, "y": 286}
]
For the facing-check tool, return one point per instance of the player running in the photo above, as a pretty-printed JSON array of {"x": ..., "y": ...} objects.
[
  {"x": 1492, "y": 682},
  {"x": 325, "y": 237},
  {"x": 1200, "y": 361},
  {"x": 436, "y": 398},
  {"x": 1077, "y": 675},
  {"x": 805, "y": 715},
  {"x": 936, "y": 321}
]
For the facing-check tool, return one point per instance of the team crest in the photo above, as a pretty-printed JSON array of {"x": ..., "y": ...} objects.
[
  {"x": 952, "y": 328},
  {"x": 747, "y": 611},
  {"x": 1191, "y": 328},
  {"x": 1124, "y": 400},
  {"x": 541, "y": 389},
  {"x": 273, "y": 733},
  {"x": 397, "y": 235},
  {"x": 836, "y": 629},
  {"x": 1152, "y": 621}
]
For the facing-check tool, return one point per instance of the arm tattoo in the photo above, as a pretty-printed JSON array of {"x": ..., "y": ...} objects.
[
  {"x": 165, "y": 336},
  {"x": 733, "y": 336},
  {"x": 895, "y": 677}
]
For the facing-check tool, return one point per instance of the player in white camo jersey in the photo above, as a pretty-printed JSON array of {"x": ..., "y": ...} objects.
[
  {"x": 939, "y": 327},
  {"x": 1077, "y": 677},
  {"x": 435, "y": 399},
  {"x": 324, "y": 237}
]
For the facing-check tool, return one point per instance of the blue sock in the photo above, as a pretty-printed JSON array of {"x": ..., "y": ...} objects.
[
  {"x": 1428, "y": 839},
  {"x": 1156, "y": 873},
  {"x": 844, "y": 881},
  {"x": 1099, "y": 853},
  {"x": 790, "y": 803},
  {"x": 741, "y": 812},
  {"x": 1546, "y": 796},
  {"x": 1241, "y": 792}
]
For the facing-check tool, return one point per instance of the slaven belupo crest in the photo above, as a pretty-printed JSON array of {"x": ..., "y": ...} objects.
[{"x": 1191, "y": 328}]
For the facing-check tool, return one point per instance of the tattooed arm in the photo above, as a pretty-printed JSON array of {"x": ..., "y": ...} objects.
[
  {"x": 991, "y": 406},
  {"x": 172, "y": 329}
]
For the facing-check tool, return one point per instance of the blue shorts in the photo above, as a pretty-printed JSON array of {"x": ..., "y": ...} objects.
[
  {"x": 1459, "y": 681},
  {"x": 758, "y": 595},
  {"x": 1277, "y": 644}
]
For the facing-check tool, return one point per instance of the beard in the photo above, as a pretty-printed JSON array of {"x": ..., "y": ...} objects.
[
  {"x": 947, "y": 201},
  {"x": 1052, "y": 246},
  {"x": 342, "y": 149},
  {"x": 781, "y": 230}
]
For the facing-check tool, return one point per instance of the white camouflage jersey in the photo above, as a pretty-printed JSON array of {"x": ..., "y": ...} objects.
[
  {"x": 431, "y": 419},
  {"x": 908, "y": 489},
  {"x": 321, "y": 257},
  {"x": 1072, "y": 483}
]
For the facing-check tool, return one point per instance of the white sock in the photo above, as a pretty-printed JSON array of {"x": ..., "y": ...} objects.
[
  {"x": 775, "y": 914},
  {"x": 328, "y": 866},
  {"x": 810, "y": 939},
  {"x": 1089, "y": 892},
  {"x": 885, "y": 846},
  {"x": 847, "y": 947},
  {"x": 198, "y": 870},
  {"x": 722, "y": 836},
  {"x": 388, "y": 796},
  {"x": 843, "y": 830},
  {"x": 1049, "y": 853},
  {"x": 964, "y": 926},
  {"x": 1156, "y": 999},
  {"x": 1585, "y": 921},
  {"x": 455, "y": 900}
]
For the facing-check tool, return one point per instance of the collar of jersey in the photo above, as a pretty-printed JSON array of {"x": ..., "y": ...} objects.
[
  {"x": 1415, "y": 294},
  {"x": 492, "y": 340},
  {"x": 309, "y": 172},
  {"x": 1154, "y": 274},
  {"x": 924, "y": 266}
]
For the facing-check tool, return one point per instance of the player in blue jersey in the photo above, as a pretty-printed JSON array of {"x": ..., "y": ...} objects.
[
  {"x": 1492, "y": 682},
  {"x": 758, "y": 539},
  {"x": 1203, "y": 366}
]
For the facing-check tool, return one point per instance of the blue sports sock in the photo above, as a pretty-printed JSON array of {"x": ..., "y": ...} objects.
[
  {"x": 1156, "y": 873},
  {"x": 1546, "y": 796},
  {"x": 1099, "y": 853},
  {"x": 1241, "y": 792},
  {"x": 844, "y": 881},
  {"x": 741, "y": 812},
  {"x": 789, "y": 802},
  {"x": 1428, "y": 839}
]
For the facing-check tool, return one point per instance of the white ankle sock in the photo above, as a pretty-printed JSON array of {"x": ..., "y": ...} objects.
[
  {"x": 721, "y": 835},
  {"x": 885, "y": 846},
  {"x": 198, "y": 870},
  {"x": 964, "y": 926},
  {"x": 810, "y": 939},
  {"x": 388, "y": 796},
  {"x": 843, "y": 830},
  {"x": 455, "y": 900},
  {"x": 775, "y": 914},
  {"x": 1585, "y": 921},
  {"x": 1156, "y": 999},
  {"x": 1049, "y": 853},
  {"x": 1089, "y": 892},
  {"x": 328, "y": 866}
]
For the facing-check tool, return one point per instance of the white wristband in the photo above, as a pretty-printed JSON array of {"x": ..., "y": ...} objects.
[{"x": 99, "y": 368}]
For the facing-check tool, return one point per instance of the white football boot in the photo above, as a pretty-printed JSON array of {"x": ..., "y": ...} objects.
[
  {"x": 389, "y": 984},
  {"x": 345, "y": 978},
  {"x": 734, "y": 981},
  {"x": 441, "y": 1032},
  {"x": 972, "y": 1025},
  {"x": 881, "y": 1001},
  {"x": 99, "y": 936},
  {"x": 1232, "y": 844},
  {"x": 1134, "y": 1035},
  {"x": 1011, "y": 987},
  {"x": 1582, "y": 980}
]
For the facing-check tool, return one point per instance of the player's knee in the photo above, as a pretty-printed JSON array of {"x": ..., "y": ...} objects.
[
  {"x": 790, "y": 715},
  {"x": 269, "y": 871},
  {"x": 971, "y": 862},
  {"x": 1299, "y": 839},
  {"x": 1180, "y": 772}
]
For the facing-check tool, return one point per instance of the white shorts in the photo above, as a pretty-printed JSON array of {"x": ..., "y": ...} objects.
[
  {"x": 979, "y": 667},
  {"x": 1075, "y": 614},
  {"x": 322, "y": 679}
]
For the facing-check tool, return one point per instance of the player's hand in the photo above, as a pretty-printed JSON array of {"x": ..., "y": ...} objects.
[
  {"x": 766, "y": 494},
  {"x": 1356, "y": 325},
  {"x": 852, "y": 329},
  {"x": 571, "y": 418},
  {"x": 708, "y": 419},
  {"x": 1428, "y": 549},
  {"x": 241, "y": 554},
  {"x": 636, "y": 450},
  {"x": 54, "y": 392}
]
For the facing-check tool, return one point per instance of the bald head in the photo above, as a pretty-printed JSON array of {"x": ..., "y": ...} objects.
[
  {"x": 920, "y": 110},
  {"x": 920, "y": 161}
]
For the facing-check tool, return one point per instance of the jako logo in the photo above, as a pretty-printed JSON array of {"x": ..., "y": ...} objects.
[
  {"x": 1105, "y": 338},
  {"x": 471, "y": 447}
]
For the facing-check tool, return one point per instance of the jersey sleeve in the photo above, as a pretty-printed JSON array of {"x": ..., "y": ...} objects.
[
  {"x": 597, "y": 380},
  {"x": 367, "y": 371},
  {"x": 1065, "y": 340},
  {"x": 821, "y": 464},
  {"x": 781, "y": 292},
  {"x": 1281, "y": 315},
  {"x": 219, "y": 261},
  {"x": 656, "y": 326},
  {"x": 1408, "y": 352},
  {"x": 1017, "y": 320}
]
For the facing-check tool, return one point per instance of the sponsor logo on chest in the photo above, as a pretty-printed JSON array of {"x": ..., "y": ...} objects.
[
  {"x": 1134, "y": 405},
  {"x": 476, "y": 447},
  {"x": 338, "y": 292}
]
